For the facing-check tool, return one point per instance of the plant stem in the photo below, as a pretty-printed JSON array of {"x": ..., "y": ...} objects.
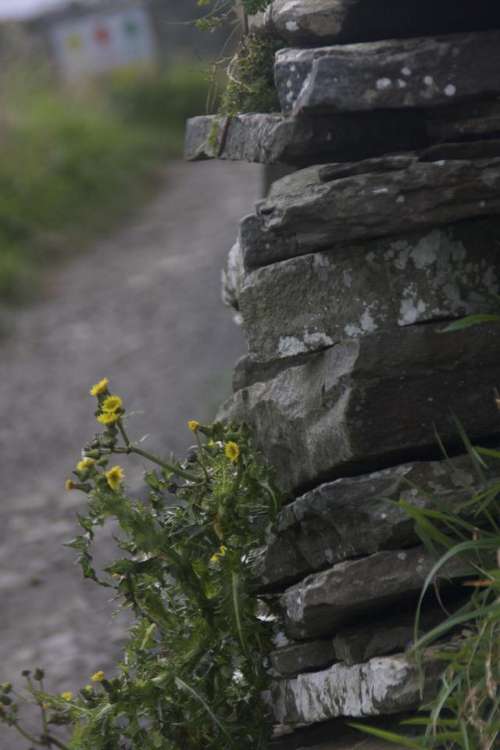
[{"x": 155, "y": 460}]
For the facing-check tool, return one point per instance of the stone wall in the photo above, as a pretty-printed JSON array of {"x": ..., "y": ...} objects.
[{"x": 344, "y": 278}]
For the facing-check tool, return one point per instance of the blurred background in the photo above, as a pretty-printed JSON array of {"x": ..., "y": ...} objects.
[{"x": 111, "y": 250}]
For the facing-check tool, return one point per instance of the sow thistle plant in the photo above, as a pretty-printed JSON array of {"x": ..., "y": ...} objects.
[{"x": 193, "y": 674}]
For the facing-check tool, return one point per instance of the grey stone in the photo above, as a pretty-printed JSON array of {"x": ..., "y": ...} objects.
[
  {"x": 323, "y": 602},
  {"x": 326, "y": 206},
  {"x": 443, "y": 273},
  {"x": 371, "y": 402},
  {"x": 272, "y": 138},
  {"x": 412, "y": 73},
  {"x": 232, "y": 278},
  {"x": 316, "y": 21},
  {"x": 358, "y": 516},
  {"x": 472, "y": 119},
  {"x": 382, "y": 686},
  {"x": 303, "y": 657},
  {"x": 359, "y": 643}
]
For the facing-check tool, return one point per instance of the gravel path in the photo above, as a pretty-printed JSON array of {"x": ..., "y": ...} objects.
[{"x": 142, "y": 308}]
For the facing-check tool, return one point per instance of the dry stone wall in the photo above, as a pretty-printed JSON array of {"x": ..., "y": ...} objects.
[{"x": 344, "y": 278}]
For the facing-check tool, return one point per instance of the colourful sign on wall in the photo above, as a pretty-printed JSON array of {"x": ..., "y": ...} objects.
[{"x": 103, "y": 42}]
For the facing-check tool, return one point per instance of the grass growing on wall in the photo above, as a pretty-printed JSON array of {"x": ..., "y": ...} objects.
[{"x": 72, "y": 165}]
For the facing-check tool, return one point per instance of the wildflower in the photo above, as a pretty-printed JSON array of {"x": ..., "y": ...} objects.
[
  {"x": 98, "y": 676},
  {"x": 69, "y": 485},
  {"x": 218, "y": 555},
  {"x": 85, "y": 464},
  {"x": 114, "y": 477},
  {"x": 108, "y": 417},
  {"x": 99, "y": 388},
  {"x": 112, "y": 404},
  {"x": 67, "y": 695},
  {"x": 232, "y": 451},
  {"x": 193, "y": 425}
]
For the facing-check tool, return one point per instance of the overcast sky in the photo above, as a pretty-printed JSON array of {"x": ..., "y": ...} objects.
[{"x": 12, "y": 9}]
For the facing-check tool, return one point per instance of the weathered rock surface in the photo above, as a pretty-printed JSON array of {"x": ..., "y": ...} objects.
[
  {"x": 303, "y": 657},
  {"x": 375, "y": 286},
  {"x": 232, "y": 279},
  {"x": 471, "y": 119},
  {"x": 316, "y": 21},
  {"x": 359, "y": 643},
  {"x": 323, "y": 602},
  {"x": 273, "y": 138},
  {"x": 326, "y": 206},
  {"x": 372, "y": 401},
  {"x": 385, "y": 685},
  {"x": 358, "y": 516},
  {"x": 395, "y": 74}
]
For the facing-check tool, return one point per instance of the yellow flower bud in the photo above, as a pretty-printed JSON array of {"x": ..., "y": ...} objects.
[
  {"x": 193, "y": 425},
  {"x": 98, "y": 676},
  {"x": 108, "y": 417},
  {"x": 67, "y": 695},
  {"x": 232, "y": 451},
  {"x": 99, "y": 388},
  {"x": 115, "y": 477},
  {"x": 112, "y": 404},
  {"x": 85, "y": 463}
]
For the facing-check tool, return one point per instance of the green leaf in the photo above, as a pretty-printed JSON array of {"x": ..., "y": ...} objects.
[
  {"x": 469, "y": 321},
  {"x": 392, "y": 737}
]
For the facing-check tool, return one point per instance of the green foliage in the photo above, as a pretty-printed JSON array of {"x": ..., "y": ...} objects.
[
  {"x": 72, "y": 165},
  {"x": 250, "y": 86},
  {"x": 162, "y": 100},
  {"x": 193, "y": 672},
  {"x": 465, "y": 714}
]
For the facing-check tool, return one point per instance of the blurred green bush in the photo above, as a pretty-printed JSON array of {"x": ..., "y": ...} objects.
[{"x": 72, "y": 164}]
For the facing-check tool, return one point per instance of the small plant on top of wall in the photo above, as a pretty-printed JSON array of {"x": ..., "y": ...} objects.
[
  {"x": 193, "y": 674},
  {"x": 250, "y": 71}
]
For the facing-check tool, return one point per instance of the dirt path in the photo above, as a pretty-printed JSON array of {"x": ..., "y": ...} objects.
[{"x": 142, "y": 308}]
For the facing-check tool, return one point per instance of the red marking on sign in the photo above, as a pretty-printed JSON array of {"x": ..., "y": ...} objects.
[{"x": 102, "y": 35}]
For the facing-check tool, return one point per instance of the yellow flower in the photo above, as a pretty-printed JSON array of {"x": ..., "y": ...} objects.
[
  {"x": 112, "y": 404},
  {"x": 85, "y": 464},
  {"x": 67, "y": 696},
  {"x": 193, "y": 425},
  {"x": 114, "y": 477},
  {"x": 97, "y": 677},
  {"x": 108, "y": 417},
  {"x": 100, "y": 387},
  {"x": 232, "y": 451},
  {"x": 69, "y": 485},
  {"x": 217, "y": 556}
]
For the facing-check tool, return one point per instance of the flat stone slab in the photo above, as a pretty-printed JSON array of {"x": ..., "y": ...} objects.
[
  {"x": 420, "y": 72},
  {"x": 303, "y": 657},
  {"x": 316, "y": 21},
  {"x": 357, "y": 516},
  {"x": 324, "y": 602},
  {"x": 273, "y": 138},
  {"x": 372, "y": 402},
  {"x": 382, "y": 686},
  {"x": 432, "y": 275},
  {"x": 327, "y": 206},
  {"x": 359, "y": 643}
]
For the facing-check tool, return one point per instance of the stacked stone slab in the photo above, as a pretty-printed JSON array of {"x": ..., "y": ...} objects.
[{"x": 345, "y": 277}]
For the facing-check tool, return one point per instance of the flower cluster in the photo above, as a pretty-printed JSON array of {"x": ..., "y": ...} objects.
[{"x": 93, "y": 466}]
